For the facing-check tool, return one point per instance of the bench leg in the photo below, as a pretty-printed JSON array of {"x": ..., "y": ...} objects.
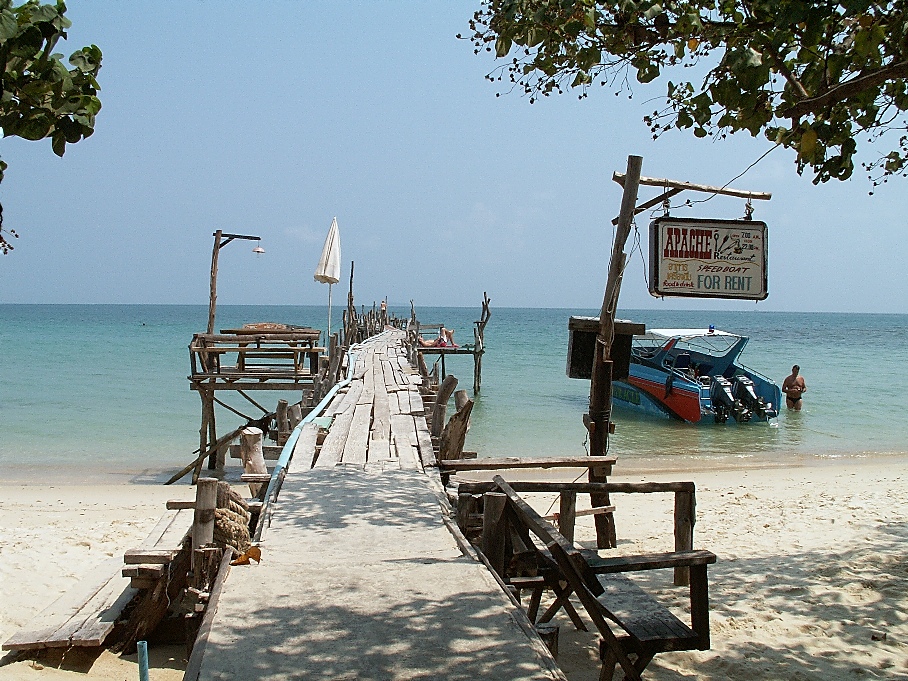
[
  {"x": 562, "y": 600},
  {"x": 610, "y": 660},
  {"x": 608, "y": 664},
  {"x": 643, "y": 659},
  {"x": 533, "y": 605},
  {"x": 699, "y": 605}
]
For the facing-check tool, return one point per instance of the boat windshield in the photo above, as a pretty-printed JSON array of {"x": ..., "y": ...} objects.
[{"x": 704, "y": 342}]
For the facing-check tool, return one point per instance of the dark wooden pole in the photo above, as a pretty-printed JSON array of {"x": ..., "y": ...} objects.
[
  {"x": 214, "y": 280},
  {"x": 599, "y": 418}
]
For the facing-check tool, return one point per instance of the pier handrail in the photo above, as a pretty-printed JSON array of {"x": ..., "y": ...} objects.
[{"x": 287, "y": 452}]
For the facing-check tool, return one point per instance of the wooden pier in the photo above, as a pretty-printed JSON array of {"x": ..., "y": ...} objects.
[{"x": 364, "y": 573}]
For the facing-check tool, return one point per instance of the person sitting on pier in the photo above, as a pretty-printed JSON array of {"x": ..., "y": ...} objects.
[{"x": 445, "y": 340}]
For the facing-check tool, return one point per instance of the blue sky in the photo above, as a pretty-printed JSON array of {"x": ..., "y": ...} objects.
[{"x": 270, "y": 119}]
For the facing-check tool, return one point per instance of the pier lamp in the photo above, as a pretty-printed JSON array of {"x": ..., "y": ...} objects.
[{"x": 221, "y": 240}]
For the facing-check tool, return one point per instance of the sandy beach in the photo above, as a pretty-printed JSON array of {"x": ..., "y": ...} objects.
[{"x": 811, "y": 581}]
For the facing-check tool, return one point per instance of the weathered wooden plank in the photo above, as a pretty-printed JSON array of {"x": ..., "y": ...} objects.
[
  {"x": 333, "y": 446},
  {"x": 162, "y": 526},
  {"x": 469, "y": 487},
  {"x": 174, "y": 533},
  {"x": 529, "y": 462},
  {"x": 304, "y": 449},
  {"x": 148, "y": 556},
  {"x": 149, "y": 570},
  {"x": 394, "y": 403},
  {"x": 368, "y": 385},
  {"x": 358, "y": 437},
  {"x": 650, "y": 561},
  {"x": 256, "y": 478},
  {"x": 100, "y": 615},
  {"x": 640, "y": 614},
  {"x": 379, "y": 449},
  {"x": 403, "y": 399},
  {"x": 424, "y": 442},
  {"x": 381, "y": 410},
  {"x": 177, "y": 504},
  {"x": 388, "y": 373},
  {"x": 415, "y": 399},
  {"x": 349, "y": 400},
  {"x": 403, "y": 431},
  {"x": 55, "y": 620}
]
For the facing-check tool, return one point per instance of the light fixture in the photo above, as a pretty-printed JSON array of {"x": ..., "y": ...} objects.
[{"x": 220, "y": 240}]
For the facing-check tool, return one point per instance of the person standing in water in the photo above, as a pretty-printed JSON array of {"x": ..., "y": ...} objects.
[{"x": 794, "y": 388}]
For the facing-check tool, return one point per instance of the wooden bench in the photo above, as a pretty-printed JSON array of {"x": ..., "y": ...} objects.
[{"x": 644, "y": 626}]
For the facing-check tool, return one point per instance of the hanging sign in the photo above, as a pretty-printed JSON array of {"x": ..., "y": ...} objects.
[{"x": 708, "y": 258}]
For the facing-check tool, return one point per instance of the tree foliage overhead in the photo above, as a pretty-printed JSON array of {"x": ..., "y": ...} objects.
[
  {"x": 40, "y": 97},
  {"x": 811, "y": 76}
]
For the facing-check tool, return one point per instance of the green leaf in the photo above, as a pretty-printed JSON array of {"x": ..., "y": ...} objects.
[
  {"x": 8, "y": 25},
  {"x": 654, "y": 10},
  {"x": 58, "y": 143},
  {"x": 582, "y": 78},
  {"x": 34, "y": 128},
  {"x": 502, "y": 47},
  {"x": 808, "y": 144}
]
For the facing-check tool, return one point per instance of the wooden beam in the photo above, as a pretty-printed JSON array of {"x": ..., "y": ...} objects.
[
  {"x": 527, "y": 462},
  {"x": 580, "y": 487},
  {"x": 653, "y": 202},
  {"x": 708, "y": 189}
]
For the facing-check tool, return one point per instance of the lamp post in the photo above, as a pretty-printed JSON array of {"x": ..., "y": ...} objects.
[{"x": 221, "y": 240}]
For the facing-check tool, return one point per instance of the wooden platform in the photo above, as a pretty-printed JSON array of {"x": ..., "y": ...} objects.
[
  {"x": 361, "y": 577},
  {"x": 86, "y": 614},
  {"x": 379, "y": 421}
]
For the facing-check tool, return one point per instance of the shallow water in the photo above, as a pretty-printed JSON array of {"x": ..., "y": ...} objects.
[{"x": 102, "y": 389}]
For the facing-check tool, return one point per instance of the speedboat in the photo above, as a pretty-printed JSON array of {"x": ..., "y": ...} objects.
[{"x": 693, "y": 375}]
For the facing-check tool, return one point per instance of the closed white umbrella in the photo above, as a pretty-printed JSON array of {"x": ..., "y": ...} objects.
[{"x": 329, "y": 268}]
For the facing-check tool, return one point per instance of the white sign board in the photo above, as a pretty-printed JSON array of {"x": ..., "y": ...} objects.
[{"x": 708, "y": 258}]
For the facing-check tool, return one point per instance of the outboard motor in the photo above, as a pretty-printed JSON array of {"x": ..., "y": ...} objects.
[
  {"x": 722, "y": 399},
  {"x": 725, "y": 404},
  {"x": 745, "y": 392}
]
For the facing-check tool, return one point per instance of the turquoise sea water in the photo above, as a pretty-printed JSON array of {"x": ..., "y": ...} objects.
[{"x": 101, "y": 390}]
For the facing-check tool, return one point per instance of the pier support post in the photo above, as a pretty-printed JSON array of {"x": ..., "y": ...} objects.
[
  {"x": 283, "y": 422},
  {"x": 684, "y": 532},
  {"x": 445, "y": 390},
  {"x": 252, "y": 455},
  {"x": 567, "y": 514},
  {"x": 493, "y": 540},
  {"x": 206, "y": 497},
  {"x": 294, "y": 415}
]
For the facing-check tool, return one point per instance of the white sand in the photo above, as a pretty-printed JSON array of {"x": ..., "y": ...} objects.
[{"x": 813, "y": 565}]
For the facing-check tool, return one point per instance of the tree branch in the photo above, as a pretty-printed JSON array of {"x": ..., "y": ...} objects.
[
  {"x": 786, "y": 72},
  {"x": 847, "y": 89}
]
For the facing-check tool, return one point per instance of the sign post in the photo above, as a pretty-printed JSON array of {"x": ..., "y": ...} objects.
[{"x": 599, "y": 418}]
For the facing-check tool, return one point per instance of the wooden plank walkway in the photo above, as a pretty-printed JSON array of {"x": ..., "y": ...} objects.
[{"x": 360, "y": 577}]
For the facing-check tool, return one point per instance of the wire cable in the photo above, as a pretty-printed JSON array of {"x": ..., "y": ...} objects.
[{"x": 736, "y": 177}]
